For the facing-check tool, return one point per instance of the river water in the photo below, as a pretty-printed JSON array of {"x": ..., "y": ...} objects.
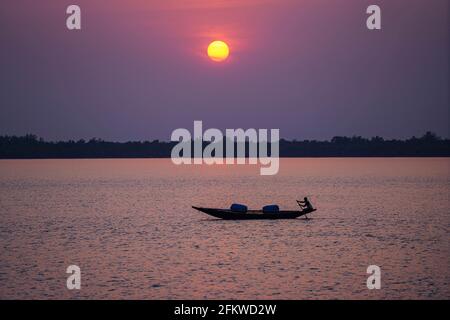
[{"x": 129, "y": 226}]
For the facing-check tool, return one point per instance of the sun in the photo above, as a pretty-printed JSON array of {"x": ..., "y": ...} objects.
[{"x": 218, "y": 51}]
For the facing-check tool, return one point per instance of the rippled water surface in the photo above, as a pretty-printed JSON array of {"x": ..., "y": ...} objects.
[{"x": 129, "y": 226}]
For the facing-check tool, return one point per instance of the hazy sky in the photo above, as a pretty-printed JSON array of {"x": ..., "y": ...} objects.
[{"x": 138, "y": 69}]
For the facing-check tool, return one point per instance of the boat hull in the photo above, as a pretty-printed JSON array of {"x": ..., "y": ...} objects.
[{"x": 251, "y": 214}]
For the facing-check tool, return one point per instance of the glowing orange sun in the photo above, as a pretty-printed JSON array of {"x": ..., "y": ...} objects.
[{"x": 218, "y": 51}]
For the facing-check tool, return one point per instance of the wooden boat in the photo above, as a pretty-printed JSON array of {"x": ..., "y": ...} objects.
[{"x": 227, "y": 214}]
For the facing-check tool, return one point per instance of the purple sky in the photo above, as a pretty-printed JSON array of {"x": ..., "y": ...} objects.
[{"x": 138, "y": 70}]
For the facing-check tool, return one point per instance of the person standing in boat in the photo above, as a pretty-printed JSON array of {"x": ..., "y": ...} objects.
[{"x": 305, "y": 204}]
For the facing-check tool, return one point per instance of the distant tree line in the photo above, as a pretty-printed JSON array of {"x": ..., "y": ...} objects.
[{"x": 32, "y": 147}]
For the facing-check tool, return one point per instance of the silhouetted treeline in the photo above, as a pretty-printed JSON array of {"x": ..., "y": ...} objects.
[{"x": 30, "y": 146}]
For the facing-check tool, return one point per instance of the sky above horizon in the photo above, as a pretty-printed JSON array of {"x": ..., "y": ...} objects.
[{"x": 138, "y": 69}]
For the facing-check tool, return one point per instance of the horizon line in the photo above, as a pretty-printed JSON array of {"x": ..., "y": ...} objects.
[{"x": 31, "y": 136}]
